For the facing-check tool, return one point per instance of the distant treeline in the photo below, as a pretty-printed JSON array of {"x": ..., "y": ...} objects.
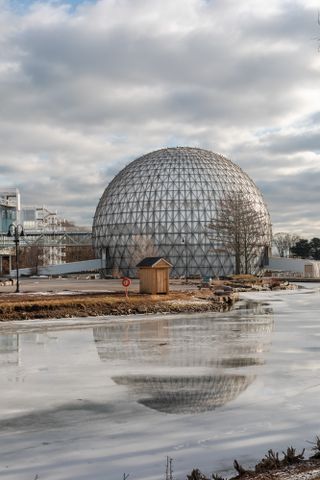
[
  {"x": 306, "y": 248},
  {"x": 291, "y": 245}
]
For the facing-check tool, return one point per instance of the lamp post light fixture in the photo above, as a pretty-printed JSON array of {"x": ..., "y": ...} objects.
[{"x": 16, "y": 231}]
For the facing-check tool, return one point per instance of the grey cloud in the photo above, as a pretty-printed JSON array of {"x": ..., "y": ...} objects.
[
  {"x": 294, "y": 143},
  {"x": 294, "y": 21},
  {"x": 63, "y": 63},
  {"x": 294, "y": 197},
  {"x": 80, "y": 102},
  {"x": 313, "y": 119}
]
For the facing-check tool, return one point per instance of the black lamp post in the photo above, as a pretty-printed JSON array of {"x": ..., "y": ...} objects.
[{"x": 16, "y": 231}]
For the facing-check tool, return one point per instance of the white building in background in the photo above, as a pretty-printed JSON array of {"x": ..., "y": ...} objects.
[
  {"x": 10, "y": 208},
  {"x": 40, "y": 226},
  {"x": 296, "y": 267},
  {"x": 46, "y": 224}
]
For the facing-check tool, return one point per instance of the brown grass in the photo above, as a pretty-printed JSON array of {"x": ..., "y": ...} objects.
[{"x": 82, "y": 305}]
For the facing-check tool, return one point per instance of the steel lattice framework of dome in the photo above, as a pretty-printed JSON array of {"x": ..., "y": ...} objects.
[{"x": 163, "y": 203}]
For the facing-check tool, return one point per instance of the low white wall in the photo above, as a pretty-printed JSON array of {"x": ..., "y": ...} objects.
[
  {"x": 294, "y": 265},
  {"x": 64, "y": 268}
]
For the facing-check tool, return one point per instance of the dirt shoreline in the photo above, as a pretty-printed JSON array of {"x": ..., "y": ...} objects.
[
  {"x": 217, "y": 296},
  {"x": 28, "y": 306}
]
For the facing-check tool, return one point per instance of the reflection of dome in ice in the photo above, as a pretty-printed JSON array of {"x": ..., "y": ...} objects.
[
  {"x": 185, "y": 342},
  {"x": 180, "y": 365},
  {"x": 166, "y": 199},
  {"x": 185, "y": 394}
]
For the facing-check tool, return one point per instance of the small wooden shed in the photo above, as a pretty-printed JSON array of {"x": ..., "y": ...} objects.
[{"x": 154, "y": 275}]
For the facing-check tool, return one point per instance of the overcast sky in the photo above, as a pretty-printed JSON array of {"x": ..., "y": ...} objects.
[{"x": 88, "y": 86}]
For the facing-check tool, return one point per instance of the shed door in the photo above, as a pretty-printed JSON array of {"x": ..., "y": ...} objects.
[{"x": 161, "y": 281}]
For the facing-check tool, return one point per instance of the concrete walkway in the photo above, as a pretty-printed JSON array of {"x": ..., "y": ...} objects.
[{"x": 42, "y": 285}]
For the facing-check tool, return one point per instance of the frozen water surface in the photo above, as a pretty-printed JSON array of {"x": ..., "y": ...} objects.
[{"x": 96, "y": 398}]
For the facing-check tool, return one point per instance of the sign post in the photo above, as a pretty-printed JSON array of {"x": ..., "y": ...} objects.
[{"x": 126, "y": 282}]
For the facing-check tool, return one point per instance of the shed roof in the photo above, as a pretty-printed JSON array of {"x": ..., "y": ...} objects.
[{"x": 152, "y": 262}]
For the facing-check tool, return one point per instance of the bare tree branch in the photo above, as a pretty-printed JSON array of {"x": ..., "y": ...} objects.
[
  {"x": 241, "y": 230},
  {"x": 142, "y": 247},
  {"x": 284, "y": 242}
]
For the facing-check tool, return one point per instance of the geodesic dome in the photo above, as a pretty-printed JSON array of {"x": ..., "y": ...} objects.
[{"x": 163, "y": 203}]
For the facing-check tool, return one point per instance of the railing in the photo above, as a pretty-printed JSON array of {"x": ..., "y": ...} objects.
[{"x": 48, "y": 239}]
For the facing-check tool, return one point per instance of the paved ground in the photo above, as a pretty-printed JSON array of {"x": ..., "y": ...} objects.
[{"x": 81, "y": 284}]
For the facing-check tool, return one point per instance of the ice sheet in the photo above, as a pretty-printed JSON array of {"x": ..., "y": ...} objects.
[{"x": 94, "y": 402}]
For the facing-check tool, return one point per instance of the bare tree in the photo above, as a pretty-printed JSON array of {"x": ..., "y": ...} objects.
[
  {"x": 284, "y": 242},
  {"x": 77, "y": 253},
  {"x": 31, "y": 257},
  {"x": 142, "y": 247},
  {"x": 242, "y": 230}
]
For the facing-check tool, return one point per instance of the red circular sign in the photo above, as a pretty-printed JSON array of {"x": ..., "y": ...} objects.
[{"x": 126, "y": 282}]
